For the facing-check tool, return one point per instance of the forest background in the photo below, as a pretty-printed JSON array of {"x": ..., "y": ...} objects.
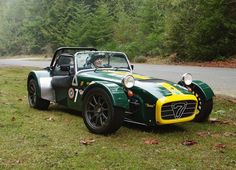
[{"x": 193, "y": 30}]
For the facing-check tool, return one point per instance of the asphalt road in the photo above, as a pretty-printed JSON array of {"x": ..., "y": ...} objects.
[{"x": 222, "y": 80}]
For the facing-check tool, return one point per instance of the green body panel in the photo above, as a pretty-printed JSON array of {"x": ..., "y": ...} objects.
[
  {"x": 100, "y": 75},
  {"x": 108, "y": 81},
  {"x": 116, "y": 92},
  {"x": 75, "y": 104},
  {"x": 206, "y": 90},
  {"x": 146, "y": 111}
]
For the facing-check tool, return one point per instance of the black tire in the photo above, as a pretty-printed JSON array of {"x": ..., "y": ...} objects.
[
  {"x": 99, "y": 115},
  {"x": 204, "y": 107},
  {"x": 33, "y": 96}
]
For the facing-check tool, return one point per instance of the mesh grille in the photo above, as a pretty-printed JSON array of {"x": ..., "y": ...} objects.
[{"x": 176, "y": 110}]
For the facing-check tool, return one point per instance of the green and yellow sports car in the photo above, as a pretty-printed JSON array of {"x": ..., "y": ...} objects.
[{"x": 102, "y": 85}]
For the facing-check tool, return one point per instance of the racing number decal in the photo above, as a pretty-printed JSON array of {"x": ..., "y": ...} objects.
[
  {"x": 76, "y": 94},
  {"x": 73, "y": 93}
]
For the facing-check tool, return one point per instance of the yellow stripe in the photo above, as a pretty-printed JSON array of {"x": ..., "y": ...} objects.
[
  {"x": 134, "y": 75},
  {"x": 171, "y": 88},
  {"x": 140, "y": 77}
]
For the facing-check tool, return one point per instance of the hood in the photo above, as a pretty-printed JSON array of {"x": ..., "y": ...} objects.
[
  {"x": 157, "y": 87},
  {"x": 108, "y": 75},
  {"x": 160, "y": 88}
]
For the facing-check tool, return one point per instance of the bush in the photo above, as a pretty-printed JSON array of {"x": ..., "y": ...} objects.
[{"x": 140, "y": 59}]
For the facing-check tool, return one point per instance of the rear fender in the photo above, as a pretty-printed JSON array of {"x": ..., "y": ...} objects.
[
  {"x": 43, "y": 80},
  {"x": 117, "y": 94}
]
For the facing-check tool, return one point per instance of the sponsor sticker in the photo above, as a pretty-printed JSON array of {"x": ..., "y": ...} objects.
[{"x": 81, "y": 92}]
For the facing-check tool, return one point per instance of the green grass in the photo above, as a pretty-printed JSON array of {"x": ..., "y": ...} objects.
[{"x": 33, "y": 139}]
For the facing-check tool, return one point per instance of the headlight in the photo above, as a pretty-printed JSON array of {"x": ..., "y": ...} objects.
[
  {"x": 128, "y": 81},
  {"x": 187, "y": 79}
]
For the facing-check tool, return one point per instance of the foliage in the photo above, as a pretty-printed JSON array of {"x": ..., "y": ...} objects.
[
  {"x": 202, "y": 30},
  {"x": 193, "y": 29}
]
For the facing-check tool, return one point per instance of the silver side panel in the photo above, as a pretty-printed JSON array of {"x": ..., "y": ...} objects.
[{"x": 47, "y": 92}]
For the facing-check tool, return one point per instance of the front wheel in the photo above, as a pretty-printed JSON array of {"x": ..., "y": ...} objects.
[
  {"x": 99, "y": 114},
  {"x": 33, "y": 96},
  {"x": 204, "y": 107}
]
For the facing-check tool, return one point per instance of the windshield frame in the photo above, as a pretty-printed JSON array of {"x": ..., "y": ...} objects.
[{"x": 95, "y": 69}]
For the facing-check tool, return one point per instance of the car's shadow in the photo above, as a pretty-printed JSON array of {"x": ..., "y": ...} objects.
[
  {"x": 155, "y": 129},
  {"x": 63, "y": 109},
  {"x": 152, "y": 129}
]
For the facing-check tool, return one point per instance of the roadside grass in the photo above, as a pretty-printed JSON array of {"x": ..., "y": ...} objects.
[
  {"x": 30, "y": 56},
  {"x": 58, "y": 138}
]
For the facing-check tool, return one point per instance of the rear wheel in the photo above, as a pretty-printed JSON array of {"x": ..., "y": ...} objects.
[
  {"x": 204, "y": 107},
  {"x": 33, "y": 96},
  {"x": 99, "y": 115}
]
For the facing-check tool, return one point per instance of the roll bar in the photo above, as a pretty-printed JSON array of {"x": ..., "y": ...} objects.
[{"x": 74, "y": 49}]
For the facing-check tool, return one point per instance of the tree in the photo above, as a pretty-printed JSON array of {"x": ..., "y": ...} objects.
[
  {"x": 202, "y": 30},
  {"x": 126, "y": 29},
  {"x": 78, "y": 29},
  {"x": 101, "y": 30},
  {"x": 152, "y": 17}
]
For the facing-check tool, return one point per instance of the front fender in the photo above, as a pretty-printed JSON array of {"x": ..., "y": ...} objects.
[
  {"x": 117, "y": 94},
  {"x": 203, "y": 87},
  {"x": 206, "y": 90}
]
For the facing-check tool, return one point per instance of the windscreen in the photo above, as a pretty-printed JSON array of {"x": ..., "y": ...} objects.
[{"x": 104, "y": 60}]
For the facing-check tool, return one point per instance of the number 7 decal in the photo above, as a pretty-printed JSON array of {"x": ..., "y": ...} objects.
[{"x": 76, "y": 94}]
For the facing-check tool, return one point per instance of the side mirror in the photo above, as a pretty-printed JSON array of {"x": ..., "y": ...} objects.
[
  {"x": 132, "y": 66},
  {"x": 65, "y": 67}
]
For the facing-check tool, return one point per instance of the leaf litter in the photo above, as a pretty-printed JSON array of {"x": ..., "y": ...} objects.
[
  {"x": 151, "y": 141},
  {"x": 51, "y": 119},
  {"x": 189, "y": 142},
  {"x": 220, "y": 146},
  {"x": 226, "y": 122},
  {"x": 207, "y": 133},
  {"x": 87, "y": 141}
]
